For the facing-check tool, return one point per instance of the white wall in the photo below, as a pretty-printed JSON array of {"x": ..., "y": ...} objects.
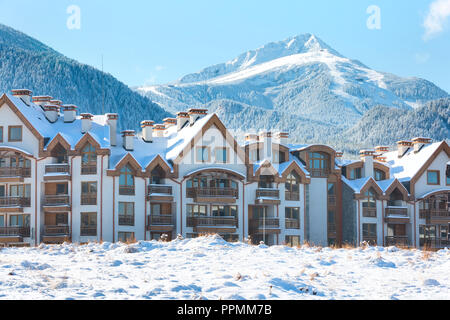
[{"x": 318, "y": 211}]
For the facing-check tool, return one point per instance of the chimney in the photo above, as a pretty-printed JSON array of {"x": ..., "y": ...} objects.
[
  {"x": 86, "y": 122},
  {"x": 147, "y": 130},
  {"x": 112, "y": 122},
  {"x": 41, "y": 100},
  {"x": 367, "y": 156},
  {"x": 182, "y": 118},
  {"x": 169, "y": 122},
  {"x": 266, "y": 138},
  {"x": 339, "y": 154},
  {"x": 70, "y": 112},
  {"x": 56, "y": 102},
  {"x": 282, "y": 137},
  {"x": 51, "y": 112},
  {"x": 251, "y": 137},
  {"x": 23, "y": 94},
  {"x": 419, "y": 143},
  {"x": 195, "y": 114},
  {"x": 128, "y": 139},
  {"x": 159, "y": 130},
  {"x": 381, "y": 150},
  {"x": 403, "y": 146}
]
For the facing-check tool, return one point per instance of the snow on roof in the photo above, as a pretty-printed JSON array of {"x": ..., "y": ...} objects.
[
  {"x": 408, "y": 166},
  {"x": 385, "y": 184},
  {"x": 281, "y": 167},
  {"x": 356, "y": 185},
  {"x": 433, "y": 191}
]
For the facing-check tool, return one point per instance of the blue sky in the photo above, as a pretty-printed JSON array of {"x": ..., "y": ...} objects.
[{"x": 146, "y": 42}]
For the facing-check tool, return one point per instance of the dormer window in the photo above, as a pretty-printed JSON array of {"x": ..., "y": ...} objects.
[
  {"x": 292, "y": 187},
  {"x": 379, "y": 175},
  {"x": 126, "y": 181},
  {"x": 319, "y": 164},
  {"x": 355, "y": 174},
  {"x": 88, "y": 160}
]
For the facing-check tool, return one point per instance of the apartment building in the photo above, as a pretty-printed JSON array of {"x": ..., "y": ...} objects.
[{"x": 74, "y": 177}]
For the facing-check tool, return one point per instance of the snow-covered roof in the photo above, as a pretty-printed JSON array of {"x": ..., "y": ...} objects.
[
  {"x": 281, "y": 167},
  {"x": 356, "y": 185}
]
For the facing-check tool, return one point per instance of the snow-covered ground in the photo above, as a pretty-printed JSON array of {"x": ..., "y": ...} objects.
[{"x": 210, "y": 268}]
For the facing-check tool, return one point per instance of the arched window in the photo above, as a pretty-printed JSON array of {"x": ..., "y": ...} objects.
[
  {"x": 379, "y": 175},
  {"x": 126, "y": 181},
  {"x": 292, "y": 187},
  {"x": 60, "y": 154},
  {"x": 319, "y": 164}
]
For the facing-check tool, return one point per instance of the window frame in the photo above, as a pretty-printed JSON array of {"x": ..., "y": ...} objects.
[
  {"x": 9, "y": 133},
  {"x": 1, "y": 134},
  {"x": 202, "y": 160},
  {"x": 438, "y": 177},
  {"x": 227, "y": 155}
]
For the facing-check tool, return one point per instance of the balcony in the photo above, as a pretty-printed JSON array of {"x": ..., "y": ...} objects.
[
  {"x": 268, "y": 196},
  {"x": 57, "y": 172},
  {"x": 56, "y": 234},
  {"x": 15, "y": 232},
  {"x": 212, "y": 195},
  {"x": 89, "y": 231},
  {"x": 15, "y": 173},
  {"x": 89, "y": 169},
  {"x": 319, "y": 173},
  {"x": 292, "y": 196},
  {"x": 292, "y": 223},
  {"x": 369, "y": 212},
  {"x": 159, "y": 193},
  {"x": 213, "y": 224},
  {"x": 57, "y": 201},
  {"x": 15, "y": 202},
  {"x": 267, "y": 225},
  {"x": 127, "y": 190},
  {"x": 161, "y": 223},
  {"x": 126, "y": 220},
  {"x": 88, "y": 199},
  {"x": 435, "y": 215},
  {"x": 396, "y": 215},
  {"x": 399, "y": 241}
]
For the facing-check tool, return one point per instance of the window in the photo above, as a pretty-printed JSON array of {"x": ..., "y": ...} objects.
[
  {"x": 88, "y": 224},
  {"x": 370, "y": 233},
  {"x": 126, "y": 213},
  {"x": 221, "y": 155},
  {"x": 89, "y": 193},
  {"x": 62, "y": 219},
  {"x": 126, "y": 237},
  {"x": 224, "y": 211},
  {"x": 318, "y": 160},
  {"x": 20, "y": 191},
  {"x": 433, "y": 177},
  {"x": 355, "y": 174},
  {"x": 448, "y": 180},
  {"x": 194, "y": 210},
  {"x": 19, "y": 162},
  {"x": 15, "y": 133},
  {"x": 88, "y": 155},
  {"x": 126, "y": 181},
  {"x": 292, "y": 216},
  {"x": 292, "y": 187},
  {"x": 1, "y": 134},
  {"x": 2, "y": 221},
  {"x": 203, "y": 154},
  {"x": 370, "y": 201},
  {"x": 379, "y": 175},
  {"x": 254, "y": 155},
  {"x": 61, "y": 189},
  {"x": 19, "y": 220},
  {"x": 197, "y": 183},
  {"x": 260, "y": 212},
  {"x": 427, "y": 235},
  {"x": 331, "y": 217},
  {"x": 2, "y": 191},
  {"x": 265, "y": 182},
  {"x": 293, "y": 241}
]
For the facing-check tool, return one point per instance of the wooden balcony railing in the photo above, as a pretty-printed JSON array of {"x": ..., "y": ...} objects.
[
  {"x": 127, "y": 220},
  {"x": 57, "y": 168},
  {"x": 319, "y": 173},
  {"x": 159, "y": 189},
  {"x": 58, "y": 200},
  {"x": 89, "y": 231},
  {"x": 15, "y": 172},
  {"x": 401, "y": 241},
  {"x": 88, "y": 169},
  {"x": 212, "y": 192},
  {"x": 267, "y": 222},
  {"x": 292, "y": 223},
  {"x": 212, "y": 222},
  {"x": 292, "y": 196},
  {"x": 56, "y": 230},
  {"x": 434, "y": 213},
  {"x": 11, "y": 202},
  {"x": 369, "y": 212},
  {"x": 15, "y": 231},
  {"x": 268, "y": 193},
  {"x": 396, "y": 211},
  {"x": 127, "y": 190},
  {"x": 161, "y": 220},
  {"x": 88, "y": 199}
]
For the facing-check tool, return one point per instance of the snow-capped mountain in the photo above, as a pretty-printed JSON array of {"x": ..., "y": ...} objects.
[{"x": 300, "y": 78}]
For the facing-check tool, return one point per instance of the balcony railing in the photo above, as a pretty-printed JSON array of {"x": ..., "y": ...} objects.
[
  {"x": 11, "y": 202},
  {"x": 434, "y": 213},
  {"x": 212, "y": 192},
  {"x": 15, "y": 172},
  {"x": 126, "y": 220},
  {"x": 331, "y": 200},
  {"x": 88, "y": 231},
  {"x": 268, "y": 193},
  {"x": 127, "y": 190},
  {"x": 157, "y": 189},
  {"x": 88, "y": 169},
  {"x": 15, "y": 232},
  {"x": 319, "y": 173},
  {"x": 267, "y": 223},
  {"x": 57, "y": 169},
  {"x": 401, "y": 241},
  {"x": 369, "y": 212},
  {"x": 56, "y": 230},
  {"x": 292, "y": 223},
  {"x": 57, "y": 200},
  {"x": 160, "y": 220},
  {"x": 212, "y": 222},
  {"x": 88, "y": 199},
  {"x": 292, "y": 196},
  {"x": 396, "y": 211}
]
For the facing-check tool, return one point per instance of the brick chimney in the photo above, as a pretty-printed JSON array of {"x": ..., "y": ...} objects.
[
  {"x": 147, "y": 130},
  {"x": 182, "y": 119},
  {"x": 367, "y": 156},
  {"x": 403, "y": 147},
  {"x": 128, "y": 139},
  {"x": 70, "y": 112},
  {"x": 86, "y": 122},
  {"x": 419, "y": 143},
  {"x": 113, "y": 118},
  {"x": 195, "y": 114},
  {"x": 23, "y": 94},
  {"x": 51, "y": 112}
]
